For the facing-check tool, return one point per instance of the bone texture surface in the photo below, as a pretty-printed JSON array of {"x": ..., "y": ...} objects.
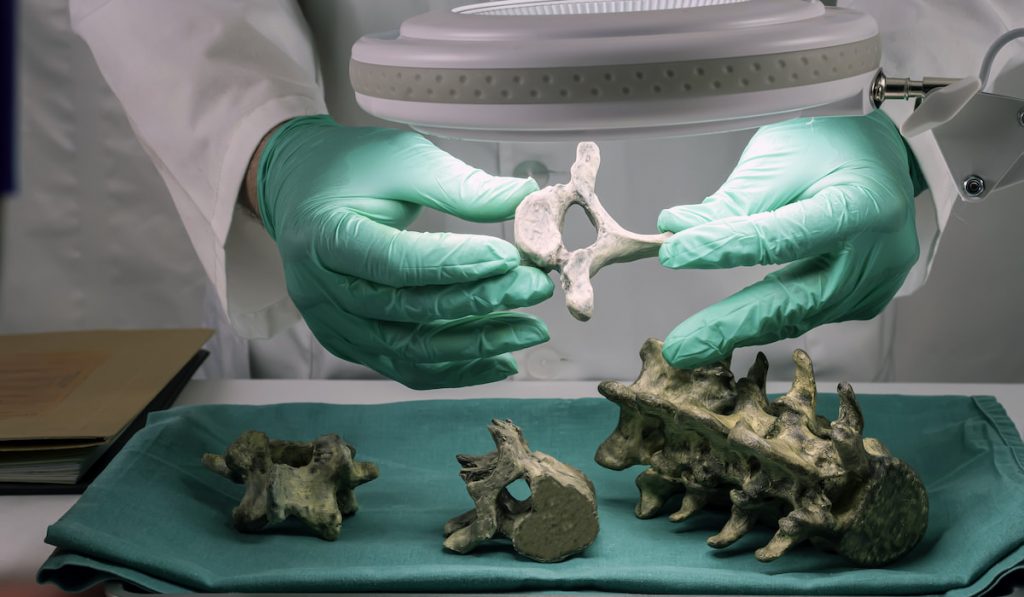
[
  {"x": 312, "y": 481},
  {"x": 540, "y": 219},
  {"x": 558, "y": 520},
  {"x": 721, "y": 443}
]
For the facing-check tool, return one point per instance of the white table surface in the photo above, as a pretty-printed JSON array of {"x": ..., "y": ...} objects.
[{"x": 23, "y": 519}]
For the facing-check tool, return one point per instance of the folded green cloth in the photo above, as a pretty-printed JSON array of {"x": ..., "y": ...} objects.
[{"x": 157, "y": 519}]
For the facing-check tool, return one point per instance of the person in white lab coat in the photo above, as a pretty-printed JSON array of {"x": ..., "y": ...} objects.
[{"x": 202, "y": 84}]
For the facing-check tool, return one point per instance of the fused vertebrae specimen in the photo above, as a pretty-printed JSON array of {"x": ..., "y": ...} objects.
[
  {"x": 558, "y": 520},
  {"x": 721, "y": 442},
  {"x": 538, "y": 233},
  {"x": 312, "y": 481}
]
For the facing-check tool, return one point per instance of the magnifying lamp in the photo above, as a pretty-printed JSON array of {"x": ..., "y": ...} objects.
[
  {"x": 536, "y": 70},
  {"x": 566, "y": 69}
]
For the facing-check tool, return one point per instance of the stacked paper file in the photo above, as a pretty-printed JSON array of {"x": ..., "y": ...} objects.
[{"x": 69, "y": 399}]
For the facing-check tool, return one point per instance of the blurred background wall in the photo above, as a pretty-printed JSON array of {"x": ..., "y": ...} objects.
[{"x": 90, "y": 238}]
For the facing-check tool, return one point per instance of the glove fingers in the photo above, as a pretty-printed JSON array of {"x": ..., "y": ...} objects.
[
  {"x": 780, "y": 165},
  {"x": 783, "y": 305},
  {"x": 357, "y": 246},
  {"x": 460, "y": 339},
  {"x": 521, "y": 287},
  {"x": 453, "y": 374},
  {"x": 761, "y": 181},
  {"x": 456, "y": 340},
  {"x": 441, "y": 181},
  {"x": 427, "y": 376},
  {"x": 806, "y": 228},
  {"x": 683, "y": 217}
]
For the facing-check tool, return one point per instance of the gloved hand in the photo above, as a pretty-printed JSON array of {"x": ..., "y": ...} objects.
[
  {"x": 833, "y": 196},
  {"x": 425, "y": 309}
]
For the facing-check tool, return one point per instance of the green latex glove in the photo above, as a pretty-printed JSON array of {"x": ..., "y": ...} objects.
[
  {"x": 833, "y": 197},
  {"x": 425, "y": 309}
]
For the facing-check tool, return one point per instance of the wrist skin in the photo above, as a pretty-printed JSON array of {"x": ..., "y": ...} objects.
[{"x": 248, "y": 195}]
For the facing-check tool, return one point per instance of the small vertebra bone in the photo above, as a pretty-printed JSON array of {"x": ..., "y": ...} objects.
[
  {"x": 312, "y": 481},
  {"x": 558, "y": 520},
  {"x": 538, "y": 233}
]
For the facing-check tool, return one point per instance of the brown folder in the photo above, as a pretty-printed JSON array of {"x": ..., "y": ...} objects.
[{"x": 74, "y": 389}]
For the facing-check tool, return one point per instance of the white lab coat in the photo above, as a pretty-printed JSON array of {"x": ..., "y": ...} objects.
[{"x": 202, "y": 82}]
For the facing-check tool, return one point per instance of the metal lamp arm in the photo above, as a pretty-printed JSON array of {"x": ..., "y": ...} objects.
[{"x": 979, "y": 134}]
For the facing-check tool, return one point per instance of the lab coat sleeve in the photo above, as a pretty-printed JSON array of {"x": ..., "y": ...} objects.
[
  {"x": 941, "y": 38},
  {"x": 202, "y": 83}
]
